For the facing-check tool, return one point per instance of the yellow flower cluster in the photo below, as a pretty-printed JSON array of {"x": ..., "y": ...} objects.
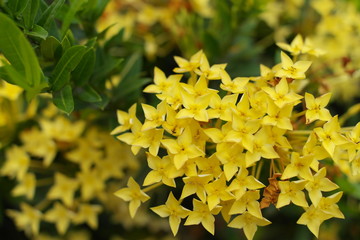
[
  {"x": 11, "y": 110},
  {"x": 217, "y": 142},
  {"x": 337, "y": 70},
  {"x": 68, "y": 168},
  {"x": 143, "y": 19}
]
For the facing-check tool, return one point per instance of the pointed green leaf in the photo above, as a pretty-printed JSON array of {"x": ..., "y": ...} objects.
[
  {"x": 30, "y": 13},
  {"x": 48, "y": 16},
  {"x": 48, "y": 47},
  {"x": 104, "y": 68},
  {"x": 13, "y": 76},
  {"x": 93, "y": 9},
  {"x": 19, "y": 52},
  {"x": 67, "y": 63},
  {"x": 88, "y": 94},
  {"x": 63, "y": 99},
  {"x": 65, "y": 43},
  {"x": 37, "y": 31},
  {"x": 68, "y": 40},
  {"x": 126, "y": 88},
  {"x": 84, "y": 69},
  {"x": 75, "y": 6},
  {"x": 17, "y": 6}
]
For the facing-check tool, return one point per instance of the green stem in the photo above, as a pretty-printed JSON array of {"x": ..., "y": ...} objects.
[{"x": 147, "y": 189}]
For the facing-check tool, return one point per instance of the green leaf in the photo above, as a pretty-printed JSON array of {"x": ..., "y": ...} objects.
[
  {"x": 348, "y": 187},
  {"x": 67, "y": 63},
  {"x": 17, "y": 6},
  {"x": 93, "y": 9},
  {"x": 30, "y": 13},
  {"x": 128, "y": 87},
  {"x": 75, "y": 6},
  {"x": 84, "y": 69},
  {"x": 48, "y": 16},
  {"x": 105, "y": 67},
  {"x": 66, "y": 43},
  {"x": 130, "y": 77},
  {"x": 13, "y": 76},
  {"x": 91, "y": 42},
  {"x": 211, "y": 45},
  {"x": 48, "y": 47},
  {"x": 88, "y": 94},
  {"x": 103, "y": 103},
  {"x": 63, "y": 99},
  {"x": 37, "y": 31},
  {"x": 19, "y": 52},
  {"x": 132, "y": 67}
]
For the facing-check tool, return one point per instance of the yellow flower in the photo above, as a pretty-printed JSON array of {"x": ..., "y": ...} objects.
[
  {"x": 279, "y": 117},
  {"x": 311, "y": 147},
  {"x": 299, "y": 166},
  {"x": 9, "y": 91},
  {"x": 281, "y": 94},
  {"x": 196, "y": 184},
  {"x": 249, "y": 223},
  {"x": 354, "y": 137},
  {"x": 243, "y": 109},
  {"x": 173, "y": 210},
  {"x": 132, "y": 194},
  {"x": 125, "y": 120},
  {"x": 194, "y": 107},
  {"x": 91, "y": 183},
  {"x": 316, "y": 107},
  {"x": 238, "y": 85},
  {"x": 61, "y": 216},
  {"x": 312, "y": 218},
  {"x": 276, "y": 135},
  {"x": 38, "y": 144},
  {"x": 64, "y": 189},
  {"x": 329, "y": 135},
  {"x": 292, "y": 192},
  {"x": 295, "y": 47},
  {"x": 217, "y": 135},
  {"x": 16, "y": 164},
  {"x": 142, "y": 139},
  {"x": 249, "y": 202},
  {"x": 154, "y": 116},
  {"x": 222, "y": 108},
  {"x": 242, "y": 182},
  {"x": 182, "y": 148},
  {"x": 262, "y": 147},
  {"x": 216, "y": 191},
  {"x": 205, "y": 70},
  {"x": 84, "y": 155},
  {"x": 28, "y": 219},
  {"x": 202, "y": 214},
  {"x": 319, "y": 184},
  {"x": 162, "y": 170},
  {"x": 243, "y": 132},
  {"x": 87, "y": 213},
  {"x": 209, "y": 165},
  {"x": 188, "y": 66},
  {"x": 328, "y": 205},
  {"x": 162, "y": 84},
  {"x": 173, "y": 125},
  {"x": 291, "y": 70},
  {"x": 62, "y": 129},
  {"x": 199, "y": 89},
  {"x": 232, "y": 157},
  {"x": 26, "y": 186}
]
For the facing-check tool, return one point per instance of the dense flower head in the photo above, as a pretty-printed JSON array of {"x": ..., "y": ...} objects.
[
  {"x": 217, "y": 144},
  {"x": 64, "y": 171}
]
